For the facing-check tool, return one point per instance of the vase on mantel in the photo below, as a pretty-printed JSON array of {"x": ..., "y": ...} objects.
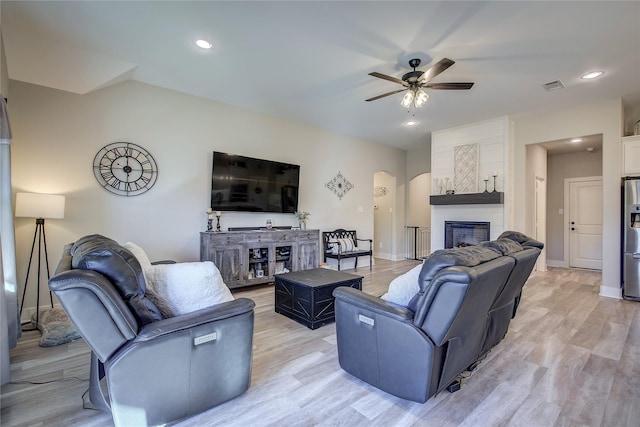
[{"x": 303, "y": 225}]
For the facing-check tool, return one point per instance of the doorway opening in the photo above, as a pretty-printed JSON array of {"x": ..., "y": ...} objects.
[{"x": 549, "y": 165}]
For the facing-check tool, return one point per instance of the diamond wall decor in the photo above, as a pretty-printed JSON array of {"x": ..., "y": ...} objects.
[
  {"x": 339, "y": 185},
  {"x": 465, "y": 162}
]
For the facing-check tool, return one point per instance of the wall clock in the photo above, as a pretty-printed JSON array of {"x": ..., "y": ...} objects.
[{"x": 125, "y": 169}]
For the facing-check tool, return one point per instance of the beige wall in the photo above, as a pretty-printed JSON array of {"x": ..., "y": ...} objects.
[
  {"x": 419, "y": 161},
  {"x": 537, "y": 171},
  {"x": 419, "y": 210},
  {"x": 631, "y": 117},
  {"x": 603, "y": 117},
  {"x": 57, "y": 134},
  {"x": 4, "y": 74},
  {"x": 384, "y": 216}
]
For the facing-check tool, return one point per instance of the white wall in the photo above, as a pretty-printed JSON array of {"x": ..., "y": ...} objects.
[
  {"x": 603, "y": 117},
  {"x": 493, "y": 138},
  {"x": 57, "y": 134}
]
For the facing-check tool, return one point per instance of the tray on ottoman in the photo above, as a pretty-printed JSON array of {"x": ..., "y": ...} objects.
[{"x": 306, "y": 296}]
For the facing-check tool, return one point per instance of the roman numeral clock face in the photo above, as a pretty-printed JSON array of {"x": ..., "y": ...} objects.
[{"x": 125, "y": 169}]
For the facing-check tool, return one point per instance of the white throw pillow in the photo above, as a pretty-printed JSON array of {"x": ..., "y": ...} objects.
[
  {"x": 182, "y": 287},
  {"x": 403, "y": 287}
]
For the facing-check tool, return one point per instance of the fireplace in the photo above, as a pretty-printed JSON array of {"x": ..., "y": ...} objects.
[{"x": 464, "y": 233}]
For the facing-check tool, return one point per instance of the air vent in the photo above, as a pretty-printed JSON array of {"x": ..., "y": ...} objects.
[{"x": 553, "y": 86}]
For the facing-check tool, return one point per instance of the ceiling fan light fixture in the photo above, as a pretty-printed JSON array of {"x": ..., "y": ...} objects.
[
  {"x": 421, "y": 98},
  {"x": 407, "y": 99},
  {"x": 414, "y": 81}
]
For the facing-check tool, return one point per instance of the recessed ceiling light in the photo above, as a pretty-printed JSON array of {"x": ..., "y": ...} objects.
[
  {"x": 575, "y": 140},
  {"x": 411, "y": 122},
  {"x": 592, "y": 75},
  {"x": 204, "y": 44}
]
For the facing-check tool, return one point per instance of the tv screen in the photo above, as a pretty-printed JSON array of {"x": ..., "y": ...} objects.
[{"x": 241, "y": 183}]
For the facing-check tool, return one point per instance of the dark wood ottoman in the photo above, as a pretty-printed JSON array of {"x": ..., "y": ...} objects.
[{"x": 305, "y": 296}]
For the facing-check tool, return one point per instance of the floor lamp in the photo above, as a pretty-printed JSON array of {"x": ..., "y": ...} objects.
[{"x": 38, "y": 206}]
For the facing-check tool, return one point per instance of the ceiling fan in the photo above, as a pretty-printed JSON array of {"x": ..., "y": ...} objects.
[{"x": 414, "y": 82}]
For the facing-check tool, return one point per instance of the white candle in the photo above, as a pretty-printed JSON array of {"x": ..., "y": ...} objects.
[
  {"x": 218, "y": 213},
  {"x": 494, "y": 174}
]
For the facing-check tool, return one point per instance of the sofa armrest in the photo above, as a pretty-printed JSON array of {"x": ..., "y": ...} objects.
[
  {"x": 377, "y": 305},
  {"x": 378, "y": 343},
  {"x": 206, "y": 315},
  {"x": 181, "y": 366},
  {"x": 96, "y": 310}
]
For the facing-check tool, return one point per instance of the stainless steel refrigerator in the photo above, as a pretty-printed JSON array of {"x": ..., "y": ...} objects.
[{"x": 631, "y": 238}]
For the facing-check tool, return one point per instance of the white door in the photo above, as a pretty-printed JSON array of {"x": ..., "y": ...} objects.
[{"x": 585, "y": 223}]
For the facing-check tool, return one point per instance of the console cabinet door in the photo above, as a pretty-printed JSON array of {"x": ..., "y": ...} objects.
[
  {"x": 229, "y": 261},
  {"x": 227, "y": 253},
  {"x": 308, "y": 253}
]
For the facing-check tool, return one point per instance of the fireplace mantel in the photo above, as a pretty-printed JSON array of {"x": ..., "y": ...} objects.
[{"x": 493, "y": 198}]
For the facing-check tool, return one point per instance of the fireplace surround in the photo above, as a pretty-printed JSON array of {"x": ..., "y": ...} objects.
[{"x": 465, "y": 233}]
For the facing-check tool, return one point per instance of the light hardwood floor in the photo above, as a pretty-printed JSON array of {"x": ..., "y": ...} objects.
[{"x": 570, "y": 358}]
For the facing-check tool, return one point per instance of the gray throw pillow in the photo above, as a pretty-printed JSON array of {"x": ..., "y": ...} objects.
[{"x": 504, "y": 246}]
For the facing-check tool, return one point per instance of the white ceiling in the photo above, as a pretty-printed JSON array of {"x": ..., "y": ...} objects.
[{"x": 309, "y": 61}]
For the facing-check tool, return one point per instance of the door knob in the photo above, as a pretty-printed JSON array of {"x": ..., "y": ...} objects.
[
  {"x": 572, "y": 222},
  {"x": 573, "y": 229}
]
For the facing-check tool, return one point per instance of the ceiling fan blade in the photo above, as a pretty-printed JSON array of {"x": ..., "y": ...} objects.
[
  {"x": 449, "y": 86},
  {"x": 385, "y": 94},
  {"x": 391, "y": 79},
  {"x": 437, "y": 68}
]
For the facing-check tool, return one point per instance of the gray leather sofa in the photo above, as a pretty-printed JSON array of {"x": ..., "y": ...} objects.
[
  {"x": 157, "y": 370},
  {"x": 466, "y": 300}
]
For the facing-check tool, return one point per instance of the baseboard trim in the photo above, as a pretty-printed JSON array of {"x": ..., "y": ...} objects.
[
  {"x": 606, "y": 291},
  {"x": 555, "y": 263}
]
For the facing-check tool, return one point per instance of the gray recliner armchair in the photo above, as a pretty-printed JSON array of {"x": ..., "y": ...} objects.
[{"x": 157, "y": 370}]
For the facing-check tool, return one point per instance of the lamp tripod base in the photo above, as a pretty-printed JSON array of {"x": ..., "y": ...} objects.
[{"x": 42, "y": 241}]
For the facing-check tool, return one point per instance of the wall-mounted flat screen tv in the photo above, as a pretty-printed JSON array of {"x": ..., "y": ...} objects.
[{"x": 246, "y": 184}]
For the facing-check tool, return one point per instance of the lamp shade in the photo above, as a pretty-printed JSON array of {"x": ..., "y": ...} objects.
[{"x": 34, "y": 205}]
